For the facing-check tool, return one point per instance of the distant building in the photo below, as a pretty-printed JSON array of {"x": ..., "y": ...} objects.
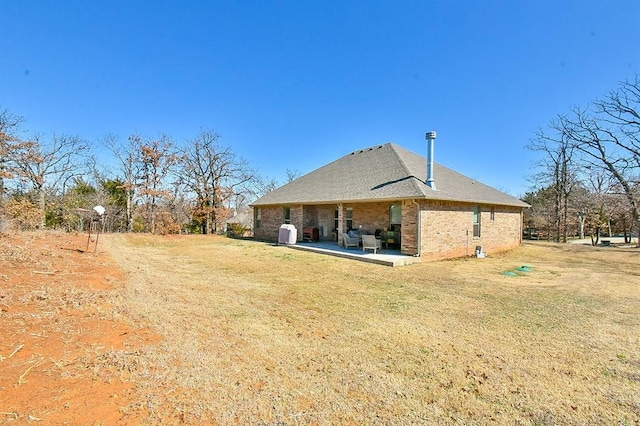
[{"x": 242, "y": 220}]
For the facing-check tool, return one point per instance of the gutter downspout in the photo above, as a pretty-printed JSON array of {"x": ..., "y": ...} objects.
[
  {"x": 521, "y": 224},
  {"x": 340, "y": 229},
  {"x": 419, "y": 228},
  {"x": 467, "y": 242}
]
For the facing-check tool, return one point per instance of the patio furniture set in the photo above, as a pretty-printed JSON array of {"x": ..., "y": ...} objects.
[{"x": 369, "y": 242}]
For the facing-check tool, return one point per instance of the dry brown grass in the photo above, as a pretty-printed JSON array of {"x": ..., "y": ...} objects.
[{"x": 259, "y": 334}]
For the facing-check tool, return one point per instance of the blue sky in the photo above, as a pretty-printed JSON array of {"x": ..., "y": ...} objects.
[{"x": 297, "y": 84}]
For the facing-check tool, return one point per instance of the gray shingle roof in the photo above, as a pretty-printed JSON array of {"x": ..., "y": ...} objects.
[{"x": 383, "y": 172}]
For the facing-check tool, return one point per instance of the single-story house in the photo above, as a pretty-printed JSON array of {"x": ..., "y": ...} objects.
[{"x": 417, "y": 206}]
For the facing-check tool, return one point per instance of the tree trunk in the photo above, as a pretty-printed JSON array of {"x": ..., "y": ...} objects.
[
  {"x": 558, "y": 214},
  {"x": 596, "y": 239},
  {"x": 638, "y": 234},
  {"x": 41, "y": 205},
  {"x": 3, "y": 169},
  {"x": 565, "y": 220},
  {"x": 152, "y": 214},
  {"x": 129, "y": 215},
  {"x": 210, "y": 223}
]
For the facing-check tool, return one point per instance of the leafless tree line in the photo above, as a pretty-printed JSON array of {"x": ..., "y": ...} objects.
[
  {"x": 146, "y": 184},
  {"x": 588, "y": 177}
]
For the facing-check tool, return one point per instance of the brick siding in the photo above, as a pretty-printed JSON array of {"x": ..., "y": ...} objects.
[
  {"x": 447, "y": 229},
  {"x": 446, "y": 232},
  {"x": 272, "y": 219}
]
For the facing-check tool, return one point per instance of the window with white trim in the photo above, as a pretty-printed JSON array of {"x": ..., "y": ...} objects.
[
  {"x": 258, "y": 217},
  {"x": 349, "y": 217},
  {"x": 287, "y": 214},
  {"x": 476, "y": 221},
  {"x": 395, "y": 214}
]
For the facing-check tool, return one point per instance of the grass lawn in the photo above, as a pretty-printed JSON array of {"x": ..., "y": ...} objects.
[{"x": 253, "y": 333}]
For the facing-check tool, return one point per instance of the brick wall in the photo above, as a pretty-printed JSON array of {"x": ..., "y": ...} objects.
[
  {"x": 297, "y": 220},
  {"x": 447, "y": 229},
  {"x": 366, "y": 216},
  {"x": 370, "y": 216},
  {"x": 310, "y": 216},
  {"x": 273, "y": 218},
  {"x": 409, "y": 235}
]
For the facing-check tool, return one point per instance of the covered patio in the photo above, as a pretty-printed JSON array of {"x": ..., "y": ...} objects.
[{"x": 386, "y": 257}]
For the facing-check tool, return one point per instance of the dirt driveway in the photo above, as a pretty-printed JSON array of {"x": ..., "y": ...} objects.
[{"x": 60, "y": 334}]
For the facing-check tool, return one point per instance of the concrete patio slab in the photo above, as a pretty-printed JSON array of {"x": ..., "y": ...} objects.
[{"x": 385, "y": 257}]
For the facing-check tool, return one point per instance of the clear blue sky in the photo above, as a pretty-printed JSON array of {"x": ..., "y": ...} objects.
[{"x": 297, "y": 84}]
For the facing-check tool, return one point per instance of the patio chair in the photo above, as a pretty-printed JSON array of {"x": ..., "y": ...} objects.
[
  {"x": 348, "y": 241},
  {"x": 371, "y": 242}
]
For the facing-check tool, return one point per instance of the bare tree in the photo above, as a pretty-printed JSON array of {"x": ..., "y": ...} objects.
[
  {"x": 621, "y": 111},
  {"x": 214, "y": 175},
  {"x": 292, "y": 175},
  {"x": 604, "y": 136},
  {"x": 128, "y": 156},
  {"x": 260, "y": 185},
  {"x": 157, "y": 158},
  {"x": 9, "y": 127},
  {"x": 603, "y": 145},
  {"x": 557, "y": 173},
  {"x": 598, "y": 207},
  {"x": 539, "y": 218},
  {"x": 48, "y": 166},
  {"x": 582, "y": 202}
]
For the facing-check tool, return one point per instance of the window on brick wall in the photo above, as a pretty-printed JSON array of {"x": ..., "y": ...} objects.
[
  {"x": 493, "y": 213},
  {"x": 395, "y": 214},
  {"x": 287, "y": 214},
  {"x": 258, "y": 217},
  {"x": 349, "y": 217},
  {"x": 476, "y": 221}
]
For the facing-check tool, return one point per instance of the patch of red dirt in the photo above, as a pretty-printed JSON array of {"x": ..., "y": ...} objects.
[{"x": 65, "y": 350}]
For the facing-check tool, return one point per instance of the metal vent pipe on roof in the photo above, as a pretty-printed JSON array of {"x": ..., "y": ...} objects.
[{"x": 431, "y": 138}]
